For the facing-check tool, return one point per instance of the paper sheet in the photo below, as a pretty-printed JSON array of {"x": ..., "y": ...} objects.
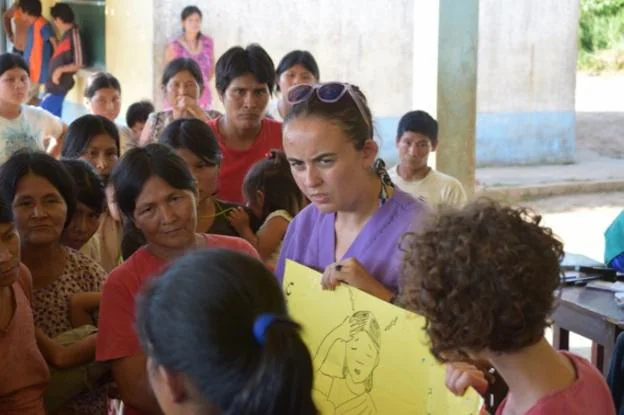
[{"x": 370, "y": 357}]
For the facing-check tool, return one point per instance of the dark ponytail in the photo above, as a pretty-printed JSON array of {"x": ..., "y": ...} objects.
[
  {"x": 219, "y": 317},
  {"x": 132, "y": 238},
  {"x": 283, "y": 363}
]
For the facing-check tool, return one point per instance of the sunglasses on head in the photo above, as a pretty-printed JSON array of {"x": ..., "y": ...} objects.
[{"x": 329, "y": 93}]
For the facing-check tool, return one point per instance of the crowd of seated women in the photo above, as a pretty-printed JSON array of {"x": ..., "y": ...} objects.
[{"x": 140, "y": 264}]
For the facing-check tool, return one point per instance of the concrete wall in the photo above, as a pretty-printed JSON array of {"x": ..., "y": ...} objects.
[
  {"x": 365, "y": 42},
  {"x": 526, "y": 81},
  {"x": 527, "y": 57}
]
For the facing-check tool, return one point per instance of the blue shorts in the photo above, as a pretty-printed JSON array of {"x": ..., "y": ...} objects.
[{"x": 53, "y": 104}]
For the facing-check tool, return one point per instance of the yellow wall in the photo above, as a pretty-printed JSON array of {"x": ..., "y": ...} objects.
[{"x": 129, "y": 47}]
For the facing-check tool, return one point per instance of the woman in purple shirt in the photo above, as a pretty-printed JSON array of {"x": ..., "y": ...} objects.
[{"x": 352, "y": 229}]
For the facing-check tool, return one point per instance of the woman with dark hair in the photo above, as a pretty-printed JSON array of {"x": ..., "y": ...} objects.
[
  {"x": 43, "y": 197},
  {"x": 353, "y": 226},
  {"x": 95, "y": 139},
  {"x": 157, "y": 192},
  {"x": 103, "y": 97},
  {"x": 195, "y": 142},
  {"x": 256, "y": 364},
  {"x": 193, "y": 44},
  {"x": 91, "y": 203},
  {"x": 183, "y": 84},
  {"x": 136, "y": 117},
  {"x": 24, "y": 373},
  {"x": 21, "y": 125},
  {"x": 245, "y": 80},
  {"x": 296, "y": 67}
]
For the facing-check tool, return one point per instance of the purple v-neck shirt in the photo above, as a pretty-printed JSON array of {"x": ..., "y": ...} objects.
[{"x": 311, "y": 239}]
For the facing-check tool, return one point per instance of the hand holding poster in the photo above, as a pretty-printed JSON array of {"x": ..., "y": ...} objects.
[{"x": 370, "y": 357}]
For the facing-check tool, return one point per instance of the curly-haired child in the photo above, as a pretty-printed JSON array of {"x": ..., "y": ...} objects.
[{"x": 486, "y": 279}]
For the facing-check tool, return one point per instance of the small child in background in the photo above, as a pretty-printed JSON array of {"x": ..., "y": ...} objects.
[
  {"x": 103, "y": 97},
  {"x": 91, "y": 203},
  {"x": 273, "y": 196},
  {"x": 136, "y": 117}
]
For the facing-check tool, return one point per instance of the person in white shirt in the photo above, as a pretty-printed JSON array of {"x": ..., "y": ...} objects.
[
  {"x": 23, "y": 126},
  {"x": 296, "y": 67},
  {"x": 417, "y": 137}
]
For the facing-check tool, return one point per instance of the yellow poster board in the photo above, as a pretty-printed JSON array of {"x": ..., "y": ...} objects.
[{"x": 370, "y": 357}]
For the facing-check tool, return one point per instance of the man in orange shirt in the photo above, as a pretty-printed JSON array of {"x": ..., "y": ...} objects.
[
  {"x": 40, "y": 43},
  {"x": 16, "y": 27}
]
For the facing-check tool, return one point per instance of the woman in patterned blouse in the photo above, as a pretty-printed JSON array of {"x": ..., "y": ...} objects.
[{"x": 43, "y": 198}]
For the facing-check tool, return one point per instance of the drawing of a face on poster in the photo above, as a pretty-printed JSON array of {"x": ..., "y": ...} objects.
[
  {"x": 362, "y": 349},
  {"x": 370, "y": 357},
  {"x": 346, "y": 360}
]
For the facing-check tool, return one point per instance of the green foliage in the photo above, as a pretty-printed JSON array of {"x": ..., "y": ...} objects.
[
  {"x": 601, "y": 30},
  {"x": 601, "y": 7}
]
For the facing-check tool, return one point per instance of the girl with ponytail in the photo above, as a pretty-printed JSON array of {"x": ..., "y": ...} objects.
[
  {"x": 218, "y": 339},
  {"x": 273, "y": 196}
]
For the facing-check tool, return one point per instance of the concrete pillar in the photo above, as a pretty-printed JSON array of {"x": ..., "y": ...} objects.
[
  {"x": 425, "y": 56},
  {"x": 457, "y": 89},
  {"x": 527, "y": 73},
  {"x": 425, "y": 59}
]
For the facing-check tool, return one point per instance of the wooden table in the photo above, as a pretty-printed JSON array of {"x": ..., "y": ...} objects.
[{"x": 592, "y": 314}]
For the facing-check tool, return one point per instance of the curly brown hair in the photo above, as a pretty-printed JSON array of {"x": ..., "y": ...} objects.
[{"x": 484, "y": 277}]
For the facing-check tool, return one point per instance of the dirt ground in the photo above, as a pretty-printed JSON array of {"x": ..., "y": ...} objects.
[
  {"x": 600, "y": 115},
  {"x": 601, "y": 133},
  {"x": 580, "y": 220}
]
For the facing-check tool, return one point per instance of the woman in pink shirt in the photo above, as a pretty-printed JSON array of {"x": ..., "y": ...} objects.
[
  {"x": 486, "y": 278},
  {"x": 193, "y": 44},
  {"x": 157, "y": 192}
]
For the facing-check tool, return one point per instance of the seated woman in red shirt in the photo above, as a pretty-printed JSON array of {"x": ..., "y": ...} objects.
[
  {"x": 219, "y": 339},
  {"x": 245, "y": 81},
  {"x": 486, "y": 278},
  {"x": 156, "y": 191}
]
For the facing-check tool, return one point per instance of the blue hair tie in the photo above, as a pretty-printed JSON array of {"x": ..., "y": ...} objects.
[{"x": 261, "y": 324}]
